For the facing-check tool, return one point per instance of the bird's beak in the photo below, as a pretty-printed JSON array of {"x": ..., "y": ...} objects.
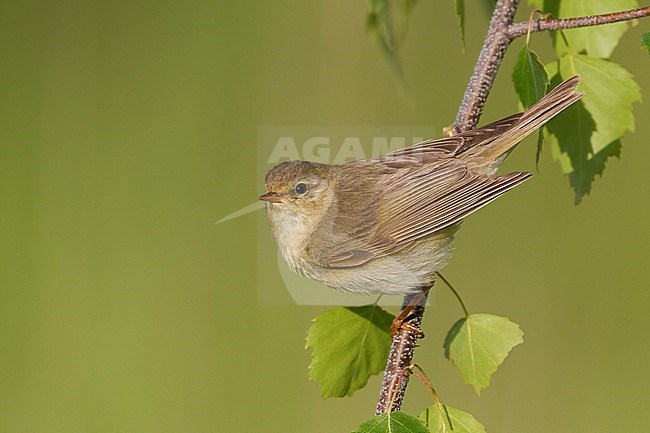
[{"x": 272, "y": 197}]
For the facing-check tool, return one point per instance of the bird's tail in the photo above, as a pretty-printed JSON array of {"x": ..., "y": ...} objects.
[{"x": 488, "y": 156}]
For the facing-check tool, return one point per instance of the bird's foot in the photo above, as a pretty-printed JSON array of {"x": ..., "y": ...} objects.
[{"x": 401, "y": 322}]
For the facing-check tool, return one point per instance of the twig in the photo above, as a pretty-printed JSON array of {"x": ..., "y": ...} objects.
[
  {"x": 401, "y": 355},
  {"x": 494, "y": 47},
  {"x": 500, "y": 34},
  {"x": 520, "y": 29}
]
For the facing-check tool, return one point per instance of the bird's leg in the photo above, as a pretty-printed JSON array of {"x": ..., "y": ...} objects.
[{"x": 402, "y": 320}]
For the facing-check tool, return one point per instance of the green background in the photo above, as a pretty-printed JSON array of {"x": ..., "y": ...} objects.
[{"x": 129, "y": 127}]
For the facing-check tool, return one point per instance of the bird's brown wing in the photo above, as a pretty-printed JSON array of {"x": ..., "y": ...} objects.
[
  {"x": 412, "y": 200},
  {"x": 428, "y": 187}
]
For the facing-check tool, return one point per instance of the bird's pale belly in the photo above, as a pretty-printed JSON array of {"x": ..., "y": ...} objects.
[{"x": 399, "y": 273}]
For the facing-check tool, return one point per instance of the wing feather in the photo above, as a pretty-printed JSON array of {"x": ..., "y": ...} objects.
[
  {"x": 414, "y": 192},
  {"x": 416, "y": 201}
]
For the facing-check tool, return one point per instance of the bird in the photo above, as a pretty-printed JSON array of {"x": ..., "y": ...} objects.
[{"x": 386, "y": 225}]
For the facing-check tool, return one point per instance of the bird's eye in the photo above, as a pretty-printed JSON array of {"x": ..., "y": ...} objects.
[{"x": 301, "y": 188}]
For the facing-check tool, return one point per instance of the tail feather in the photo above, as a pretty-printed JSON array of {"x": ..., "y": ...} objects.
[{"x": 541, "y": 112}]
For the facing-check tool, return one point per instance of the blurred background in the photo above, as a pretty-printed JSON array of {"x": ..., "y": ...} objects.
[{"x": 129, "y": 127}]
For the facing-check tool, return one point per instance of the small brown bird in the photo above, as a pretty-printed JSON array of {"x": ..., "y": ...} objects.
[{"x": 386, "y": 224}]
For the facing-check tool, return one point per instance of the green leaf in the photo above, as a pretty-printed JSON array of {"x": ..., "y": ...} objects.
[
  {"x": 590, "y": 167},
  {"x": 380, "y": 23},
  {"x": 393, "y": 422},
  {"x": 540, "y": 143},
  {"x": 390, "y": 25},
  {"x": 478, "y": 344},
  {"x": 570, "y": 135},
  {"x": 610, "y": 92},
  {"x": 645, "y": 42},
  {"x": 529, "y": 77},
  {"x": 572, "y": 148},
  {"x": 586, "y": 134},
  {"x": 447, "y": 419},
  {"x": 349, "y": 345},
  {"x": 537, "y": 4},
  {"x": 598, "y": 41},
  {"x": 459, "y": 8}
]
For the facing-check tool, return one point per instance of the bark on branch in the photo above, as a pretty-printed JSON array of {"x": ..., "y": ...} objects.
[
  {"x": 487, "y": 65},
  {"x": 520, "y": 29},
  {"x": 400, "y": 357}
]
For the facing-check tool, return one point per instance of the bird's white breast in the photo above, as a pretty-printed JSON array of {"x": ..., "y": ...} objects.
[{"x": 291, "y": 232}]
